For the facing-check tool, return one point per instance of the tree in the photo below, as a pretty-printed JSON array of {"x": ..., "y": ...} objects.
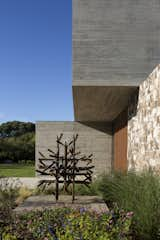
[
  {"x": 17, "y": 141},
  {"x": 15, "y": 128}
]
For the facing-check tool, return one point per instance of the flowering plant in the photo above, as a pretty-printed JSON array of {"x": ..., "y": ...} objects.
[{"x": 69, "y": 224}]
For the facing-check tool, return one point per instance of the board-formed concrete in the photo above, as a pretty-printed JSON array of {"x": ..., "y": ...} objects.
[
  {"x": 115, "y": 42},
  {"x": 100, "y": 103},
  {"x": 95, "y": 138}
]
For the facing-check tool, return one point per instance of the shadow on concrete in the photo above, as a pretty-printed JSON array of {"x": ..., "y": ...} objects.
[{"x": 105, "y": 127}]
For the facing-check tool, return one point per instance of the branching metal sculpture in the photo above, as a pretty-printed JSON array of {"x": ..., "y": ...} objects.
[{"x": 66, "y": 166}]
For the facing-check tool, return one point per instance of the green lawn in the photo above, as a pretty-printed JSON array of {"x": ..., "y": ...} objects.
[{"x": 17, "y": 170}]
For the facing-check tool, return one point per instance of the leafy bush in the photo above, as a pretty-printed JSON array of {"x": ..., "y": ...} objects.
[
  {"x": 139, "y": 193},
  {"x": 18, "y": 148},
  {"x": 67, "y": 224},
  {"x": 15, "y": 128},
  {"x": 84, "y": 190},
  {"x": 23, "y": 193},
  {"x": 57, "y": 224},
  {"x": 9, "y": 191},
  {"x": 17, "y": 141}
]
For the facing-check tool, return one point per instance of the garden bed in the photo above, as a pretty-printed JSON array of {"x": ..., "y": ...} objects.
[
  {"x": 134, "y": 211},
  {"x": 67, "y": 224}
]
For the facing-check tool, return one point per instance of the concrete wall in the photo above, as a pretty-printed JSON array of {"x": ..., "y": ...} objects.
[
  {"x": 144, "y": 125},
  {"x": 95, "y": 138},
  {"x": 115, "y": 42}
]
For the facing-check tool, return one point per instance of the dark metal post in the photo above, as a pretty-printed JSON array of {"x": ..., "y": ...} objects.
[
  {"x": 65, "y": 165},
  {"x": 74, "y": 165},
  {"x": 57, "y": 171}
]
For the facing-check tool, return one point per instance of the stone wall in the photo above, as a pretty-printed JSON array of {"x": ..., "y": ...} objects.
[
  {"x": 144, "y": 125},
  {"x": 95, "y": 138}
]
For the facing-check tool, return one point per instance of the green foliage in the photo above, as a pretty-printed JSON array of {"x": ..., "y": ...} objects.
[
  {"x": 60, "y": 223},
  {"x": 17, "y": 141},
  {"x": 9, "y": 191},
  {"x": 16, "y": 128},
  {"x": 18, "y": 148},
  {"x": 68, "y": 224},
  {"x": 86, "y": 225},
  {"x": 139, "y": 193},
  {"x": 84, "y": 190}
]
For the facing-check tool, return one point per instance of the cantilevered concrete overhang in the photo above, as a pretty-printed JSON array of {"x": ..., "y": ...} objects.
[
  {"x": 100, "y": 103},
  {"x": 116, "y": 44}
]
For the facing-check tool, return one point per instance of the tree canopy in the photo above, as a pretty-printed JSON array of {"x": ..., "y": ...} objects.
[
  {"x": 15, "y": 128},
  {"x": 17, "y": 141}
]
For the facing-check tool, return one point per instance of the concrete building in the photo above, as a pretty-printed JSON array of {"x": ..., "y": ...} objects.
[{"x": 116, "y": 45}]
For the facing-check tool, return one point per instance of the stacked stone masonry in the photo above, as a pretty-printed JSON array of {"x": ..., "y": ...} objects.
[{"x": 144, "y": 125}]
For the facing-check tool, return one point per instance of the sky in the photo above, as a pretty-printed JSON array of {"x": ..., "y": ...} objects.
[{"x": 35, "y": 60}]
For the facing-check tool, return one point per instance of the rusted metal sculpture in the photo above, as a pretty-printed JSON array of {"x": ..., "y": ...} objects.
[{"x": 66, "y": 166}]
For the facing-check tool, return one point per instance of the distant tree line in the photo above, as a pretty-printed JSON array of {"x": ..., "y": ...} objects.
[{"x": 17, "y": 141}]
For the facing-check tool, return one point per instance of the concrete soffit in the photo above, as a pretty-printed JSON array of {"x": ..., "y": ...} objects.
[{"x": 100, "y": 103}]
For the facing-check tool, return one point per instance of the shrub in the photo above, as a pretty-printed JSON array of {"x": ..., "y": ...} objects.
[
  {"x": 84, "y": 190},
  {"x": 8, "y": 194},
  {"x": 23, "y": 193},
  {"x": 67, "y": 224},
  {"x": 139, "y": 193},
  {"x": 9, "y": 191}
]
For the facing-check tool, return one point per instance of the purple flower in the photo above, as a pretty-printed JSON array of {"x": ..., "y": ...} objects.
[
  {"x": 52, "y": 232},
  {"x": 82, "y": 210}
]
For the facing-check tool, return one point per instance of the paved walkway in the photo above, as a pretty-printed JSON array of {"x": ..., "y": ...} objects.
[
  {"x": 29, "y": 182},
  {"x": 48, "y": 201},
  {"x": 93, "y": 203}
]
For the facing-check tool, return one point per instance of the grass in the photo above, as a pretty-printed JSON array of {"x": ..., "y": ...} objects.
[
  {"x": 137, "y": 192},
  {"x": 17, "y": 170}
]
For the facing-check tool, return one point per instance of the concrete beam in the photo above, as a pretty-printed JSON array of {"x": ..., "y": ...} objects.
[{"x": 100, "y": 103}]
